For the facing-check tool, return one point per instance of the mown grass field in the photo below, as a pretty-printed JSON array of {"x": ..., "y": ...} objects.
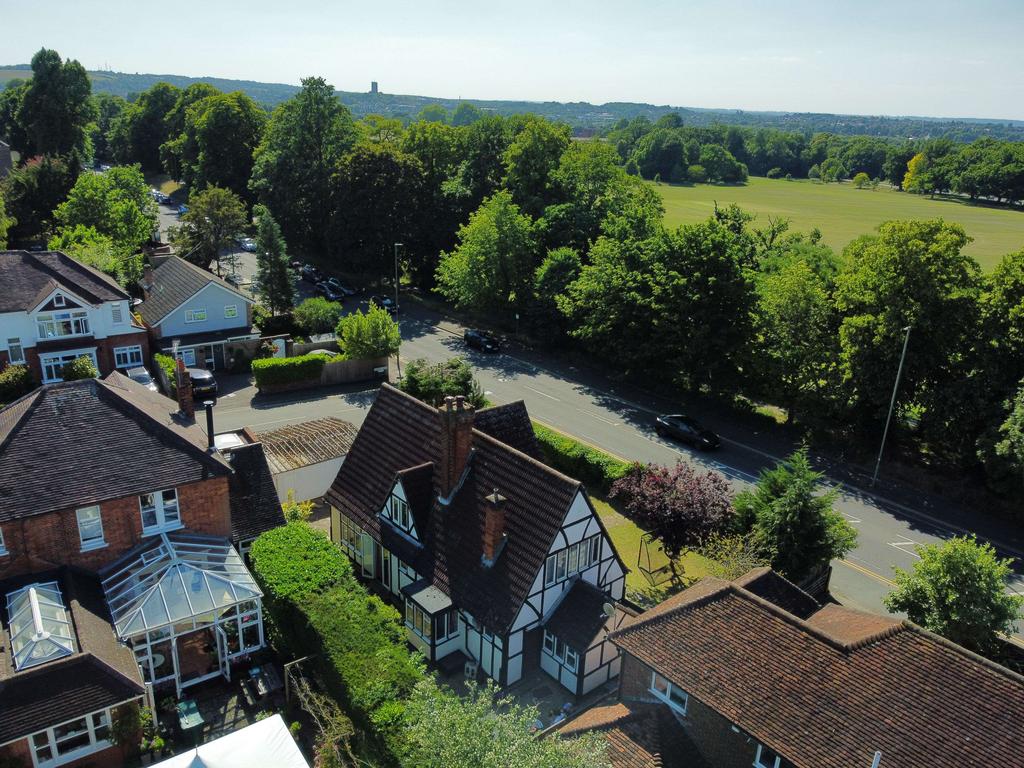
[{"x": 843, "y": 212}]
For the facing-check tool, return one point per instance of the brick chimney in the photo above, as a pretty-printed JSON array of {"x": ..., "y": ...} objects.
[
  {"x": 456, "y": 441},
  {"x": 494, "y": 528},
  {"x": 183, "y": 386},
  {"x": 147, "y": 281}
]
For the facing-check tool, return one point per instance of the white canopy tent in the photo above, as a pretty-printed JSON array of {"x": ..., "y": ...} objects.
[{"x": 264, "y": 744}]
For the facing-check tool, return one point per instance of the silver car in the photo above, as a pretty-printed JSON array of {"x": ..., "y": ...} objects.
[{"x": 141, "y": 375}]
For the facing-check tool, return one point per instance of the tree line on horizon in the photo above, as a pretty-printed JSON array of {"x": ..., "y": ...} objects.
[{"x": 512, "y": 219}]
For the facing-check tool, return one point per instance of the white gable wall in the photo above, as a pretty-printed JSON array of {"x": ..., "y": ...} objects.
[{"x": 213, "y": 298}]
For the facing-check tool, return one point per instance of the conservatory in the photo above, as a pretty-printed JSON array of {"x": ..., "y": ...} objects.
[{"x": 187, "y": 605}]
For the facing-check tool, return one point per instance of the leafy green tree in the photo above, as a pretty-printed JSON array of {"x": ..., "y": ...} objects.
[
  {"x": 138, "y": 132},
  {"x": 1003, "y": 452},
  {"x": 896, "y": 158},
  {"x": 862, "y": 181},
  {"x": 720, "y": 165},
  {"x": 303, "y": 144},
  {"x": 6, "y": 222},
  {"x": 912, "y": 273},
  {"x": 108, "y": 108},
  {"x": 179, "y": 143},
  {"x": 530, "y": 160},
  {"x": 487, "y": 730},
  {"x": 433, "y": 382},
  {"x": 1002, "y": 308},
  {"x": 273, "y": 270},
  {"x": 957, "y": 589},
  {"x": 379, "y": 129},
  {"x": 215, "y": 217},
  {"x": 317, "y": 315},
  {"x": 80, "y": 368},
  {"x": 794, "y": 525},
  {"x": 376, "y": 195},
  {"x": 492, "y": 266},
  {"x": 33, "y": 192},
  {"x": 55, "y": 110},
  {"x": 466, "y": 114},
  {"x": 374, "y": 334},
  {"x": 482, "y": 147},
  {"x": 11, "y": 130},
  {"x": 433, "y": 113},
  {"x": 15, "y": 381},
  {"x": 560, "y": 269},
  {"x": 116, "y": 204},
  {"x": 83, "y": 243}
]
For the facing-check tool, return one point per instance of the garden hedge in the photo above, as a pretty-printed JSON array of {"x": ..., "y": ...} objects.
[
  {"x": 281, "y": 371},
  {"x": 15, "y": 380},
  {"x": 166, "y": 363},
  {"x": 595, "y": 469}
]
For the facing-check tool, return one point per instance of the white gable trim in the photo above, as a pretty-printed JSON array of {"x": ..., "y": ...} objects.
[
  {"x": 398, "y": 491},
  {"x": 71, "y": 294}
]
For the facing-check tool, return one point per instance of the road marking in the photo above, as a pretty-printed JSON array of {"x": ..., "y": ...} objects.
[
  {"x": 902, "y": 547},
  {"x": 599, "y": 418},
  {"x": 868, "y": 572},
  {"x": 542, "y": 394},
  {"x": 852, "y": 519}
]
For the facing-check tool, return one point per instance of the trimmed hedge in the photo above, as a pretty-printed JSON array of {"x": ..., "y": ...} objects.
[
  {"x": 595, "y": 469},
  {"x": 296, "y": 561},
  {"x": 166, "y": 363},
  {"x": 280, "y": 371}
]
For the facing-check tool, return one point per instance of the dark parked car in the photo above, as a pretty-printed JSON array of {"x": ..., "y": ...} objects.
[
  {"x": 481, "y": 340},
  {"x": 687, "y": 430},
  {"x": 329, "y": 292},
  {"x": 141, "y": 375},
  {"x": 337, "y": 285},
  {"x": 310, "y": 273},
  {"x": 204, "y": 386},
  {"x": 385, "y": 303}
]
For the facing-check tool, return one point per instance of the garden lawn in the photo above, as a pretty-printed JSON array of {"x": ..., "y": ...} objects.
[
  {"x": 843, "y": 212},
  {"x": 626, "y": 535}
]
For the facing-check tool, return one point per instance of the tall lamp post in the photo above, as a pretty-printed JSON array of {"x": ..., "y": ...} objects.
[
  {"x": 892, "y": 404},
  {"x": 398, "y": 356}
]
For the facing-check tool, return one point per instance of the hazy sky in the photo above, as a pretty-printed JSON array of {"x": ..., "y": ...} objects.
[{"x": 898, "y": 57}]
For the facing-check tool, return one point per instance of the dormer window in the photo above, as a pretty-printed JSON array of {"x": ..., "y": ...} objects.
[
  {"x": 400, "y": 513},
  {"x": 59, "y": 300}
]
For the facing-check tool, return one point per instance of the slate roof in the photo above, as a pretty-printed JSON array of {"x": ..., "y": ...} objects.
[
  {"x": 255, "y": 506},
  {"x": 311, "y": 442},
  {"x": 401, "y": 436},
  {"x": 103, "y": 438},
  {"x": 830, "y": 691},
  {"x": 174, "y": 282},
  {"x": 579, "y": 616},
  {"x": 27, "y": 278},
  {"x": 638, "y": 735},
  {"x": 510, "y": 424},
  {"x": 101, "y": 673}
]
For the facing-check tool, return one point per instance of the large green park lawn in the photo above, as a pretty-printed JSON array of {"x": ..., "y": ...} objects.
[{"x": 843, "y": 212}]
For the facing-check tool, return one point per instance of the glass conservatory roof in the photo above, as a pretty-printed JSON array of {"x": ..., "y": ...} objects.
[
  {"x": 39, "y": 624},
  {"x": 173, "y": 578}
]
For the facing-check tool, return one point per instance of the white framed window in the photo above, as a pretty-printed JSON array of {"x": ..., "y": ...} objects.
[
  {"x": 53, "y": 365},
  {"x": 573, "y": 559},
  {"x": 398, "y": 513},
  {"x": 90, "y": 528},
  {"x": 230, "y": 311},
  {"x": 57, "y": 325},
  {"x": 3, "y": 547},
  {"x": 417, "y": 620},
  {"x": 405, "y": 570},
  {"x": 351, "y": 540},
  {"x": 15, "y": 352},
  {"x": 71, "y": 740},
  {"x": 195, "y": 315},
  {"x": 128, "y": 357},
  {"x": 672, "y": 695},
  {"x": 116, "y": 313},
  {"x": 560, "y": 652},
  {"x": 767, "y": 757},
  {"x": 159, "y": 510},
  {"x": 59, "y": 300},
  {"x": 447, "y": 624}
]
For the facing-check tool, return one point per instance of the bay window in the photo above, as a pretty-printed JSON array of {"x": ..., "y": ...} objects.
[
  {"x": 57, "y": 325},
  {"x": 159, "y": 510},
  {"x": 417, "y": 620}
]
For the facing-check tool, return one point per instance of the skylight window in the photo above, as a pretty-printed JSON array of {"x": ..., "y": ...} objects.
[{"x": 40, "y": 629}]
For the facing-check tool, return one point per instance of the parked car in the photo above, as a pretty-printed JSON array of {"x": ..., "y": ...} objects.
[
  {"x": 340, "y": 286},
  {"x": 182, "y": 210},
  {"x": 203, "y": 384},
  {"x": 686, "y": 430},
  {"x": 248, "y": 244},
  {"x": 141, "y": 375},
  {"x": 385, "y": 303},
  {"x": 297, "y": 265},
  {"x": 329, "y": 292},
  {"x": 235, "y": 280},
  {"x": 481, "y": 340},
  {"x": 311, "y": 274}
]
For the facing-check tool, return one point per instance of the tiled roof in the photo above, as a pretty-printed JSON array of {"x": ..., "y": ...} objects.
[
  {"x": 103, "y": 439},
  {"x": 174, "y": 282},
  {"x": 27, "y": 278},
  {"x": 775, "y": 588},
  {"x": 830, "y": 691},
  {"x": 311, "y": 442},
  {"x": 638, "y": 735},
  {"x": 401, "y": 433},
  {"x": 102, "y": 672},
  {"x": 255, "y": 506},
  {"x": 579, "y": 616},
  {"x": 510, "y": 423}
]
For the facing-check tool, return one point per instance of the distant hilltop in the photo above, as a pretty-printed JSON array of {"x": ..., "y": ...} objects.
[{"x": 584, "y": 117}]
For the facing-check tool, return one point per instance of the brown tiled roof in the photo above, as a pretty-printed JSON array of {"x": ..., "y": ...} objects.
[
  {"x": 829, "y": 692},
  {"x": 638, "y": 735},
  {"x": 579, "y": 616},
  {"x": 175, "y": 281},
  {"x": 773, "y": 587},
  {"x": 255, "y": 506},
  {"x": 311, "y": 442},
  {"x": 102, "y": 672},
  {"x": 398, "y": 437},
  {"x": 27, "y": 278},
  {"x": 510, "y": 423},
  {"x": 103, "y": 439}
]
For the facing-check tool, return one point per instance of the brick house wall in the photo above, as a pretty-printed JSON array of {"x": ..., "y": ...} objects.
[
  {"x": 104, "y": 352},
  {"x": 714, "y": 736},
  {"x": 43, "y": 541}
]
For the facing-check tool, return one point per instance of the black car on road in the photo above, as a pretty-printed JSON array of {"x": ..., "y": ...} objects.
[
  {"x": 481, "y": 340},
  {"x": 385, "y": 303},
  {"x": 686, "y": 430},
  {"x": 329, "y": 292},
  {"x": 204, "y": 386},
  {"x": 339, "y": 286}
]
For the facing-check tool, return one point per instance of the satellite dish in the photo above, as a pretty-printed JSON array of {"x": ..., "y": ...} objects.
[{"x": 608, "y": 610}]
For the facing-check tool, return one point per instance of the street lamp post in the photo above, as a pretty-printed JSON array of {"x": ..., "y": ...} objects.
[
  {"x": 398, "y": 356},
  {"x": 892, "y": 404}
]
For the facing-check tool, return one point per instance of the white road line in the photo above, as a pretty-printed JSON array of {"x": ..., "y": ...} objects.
[
  {"x": 542, "y": 394},
  {"x": 599, "y": 418},
  {"x": 902, "y": 547}
]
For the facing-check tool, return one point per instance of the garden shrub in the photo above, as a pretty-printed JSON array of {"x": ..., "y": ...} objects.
[
  {"x": 15, "y": 381},
  {"x": 295, "y": 561},
  {"x": 81, "y": 367},
  {"x": 277, "y": 371},
  {"x": 595, "y": 469},
  {"x": 166, "y": 363}
]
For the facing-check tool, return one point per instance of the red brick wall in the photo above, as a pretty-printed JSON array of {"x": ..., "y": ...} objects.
[
  {"x": 711, "y": 734},
  {"x": 111, "y": 757},
  {"x": 44, "y": 541},
  {"x": 105, "y": 349}
]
